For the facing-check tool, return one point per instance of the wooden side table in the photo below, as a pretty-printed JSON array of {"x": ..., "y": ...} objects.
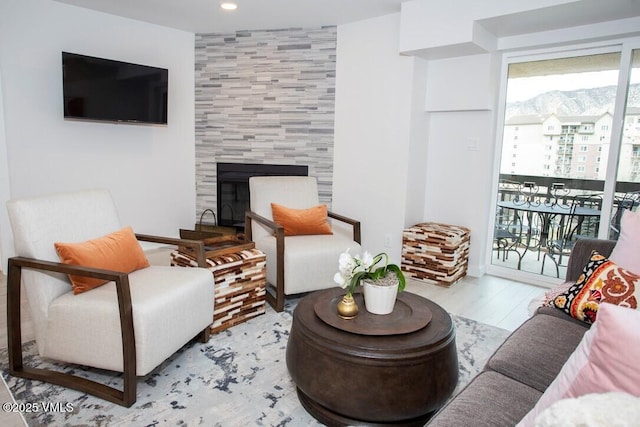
[{"x": 350, "y": 378}]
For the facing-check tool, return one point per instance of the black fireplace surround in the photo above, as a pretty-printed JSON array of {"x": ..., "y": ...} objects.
[{"x": 233, "y": 187}]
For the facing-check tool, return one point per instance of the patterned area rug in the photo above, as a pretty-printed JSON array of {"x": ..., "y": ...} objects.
[{"x": 239, "y": 378}]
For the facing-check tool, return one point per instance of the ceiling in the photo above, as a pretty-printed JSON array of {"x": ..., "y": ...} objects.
[
  {"x": 206, "y": 16},
  {"x": 551, "y": 18}
]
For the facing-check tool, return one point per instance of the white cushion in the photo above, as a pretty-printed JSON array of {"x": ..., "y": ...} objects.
[
  {"x": 310, "y": 262},
  {"x": 170, "y": 305}
]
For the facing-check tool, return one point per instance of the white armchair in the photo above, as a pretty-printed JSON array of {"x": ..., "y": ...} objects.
[
  {"x": 130, "y": 324},
  {"x": 301, "y": 263}
]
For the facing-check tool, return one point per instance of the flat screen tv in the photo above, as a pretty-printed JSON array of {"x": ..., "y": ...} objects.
[{"x": 114, "y": 91}]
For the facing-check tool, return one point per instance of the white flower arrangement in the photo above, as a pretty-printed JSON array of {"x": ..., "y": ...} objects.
[{"x": 354, "y": 268}]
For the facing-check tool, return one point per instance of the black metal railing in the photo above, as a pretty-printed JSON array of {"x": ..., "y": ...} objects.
[{"x": 566, "y": 191}]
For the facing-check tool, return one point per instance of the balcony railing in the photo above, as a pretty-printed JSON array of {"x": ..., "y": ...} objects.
[
  {"x": 530, "y": 221},
  {"x": 579, "y": 185}
]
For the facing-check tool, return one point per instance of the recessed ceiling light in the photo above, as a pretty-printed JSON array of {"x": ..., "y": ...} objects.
[{"x": 229, "y": 6}]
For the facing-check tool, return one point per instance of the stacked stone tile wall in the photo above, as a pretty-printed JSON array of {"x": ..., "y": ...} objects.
[{"x": 264, "y": 97}]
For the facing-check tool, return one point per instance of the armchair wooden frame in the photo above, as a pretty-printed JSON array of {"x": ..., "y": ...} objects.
[
  {"x": 277, "y": 300},
  {"x": 125, "y": 397}
]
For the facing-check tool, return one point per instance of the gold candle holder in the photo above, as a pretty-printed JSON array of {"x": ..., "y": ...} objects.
[{"x": 347, "y": 307}]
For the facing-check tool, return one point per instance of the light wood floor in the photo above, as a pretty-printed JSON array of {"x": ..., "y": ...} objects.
[{"x": 491, "y": 300}]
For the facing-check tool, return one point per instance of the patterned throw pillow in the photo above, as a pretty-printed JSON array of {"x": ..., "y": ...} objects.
[{"x": 601, "y": 281}]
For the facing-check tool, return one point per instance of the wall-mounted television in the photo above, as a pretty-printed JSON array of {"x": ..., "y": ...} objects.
[{"x": 114, "y": 91}]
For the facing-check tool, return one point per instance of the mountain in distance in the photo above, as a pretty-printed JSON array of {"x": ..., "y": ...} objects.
[{"x": 581, "y": 102}]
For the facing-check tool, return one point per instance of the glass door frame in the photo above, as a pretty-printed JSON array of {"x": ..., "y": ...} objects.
[{"x": 626, "y": 48}]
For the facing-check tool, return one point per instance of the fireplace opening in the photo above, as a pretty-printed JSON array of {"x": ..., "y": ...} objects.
[{"x": 233, "y": 187}]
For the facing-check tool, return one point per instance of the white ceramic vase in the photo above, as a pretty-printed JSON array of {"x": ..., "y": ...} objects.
[{"x": 379, "y": 299}]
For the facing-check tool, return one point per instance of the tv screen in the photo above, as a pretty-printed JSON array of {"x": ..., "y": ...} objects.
[{"x": 114, "y": 91}]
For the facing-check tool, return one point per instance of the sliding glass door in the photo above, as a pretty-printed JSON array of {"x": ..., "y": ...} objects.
[
  {"x": 563, "y": 144},
  {"x": 628, "y": 175}
]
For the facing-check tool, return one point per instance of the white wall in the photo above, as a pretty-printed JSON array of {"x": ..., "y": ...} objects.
[
  {"x": 461, "y": 146},
  {"x": 449, "y": 29},
  {"x": 418, "y": 147},
  {"x": 149, "y": 169},
  {"x": 372, "y": 130},
  {"x": 459, "y": 180},
  {"x": 5, "y": 237},
  {"x": 392, "y": 155}
]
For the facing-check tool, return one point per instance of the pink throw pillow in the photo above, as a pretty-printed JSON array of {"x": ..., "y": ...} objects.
[
  {"x": 605, "y": 360},
  {"x": 626, "y": 253}
]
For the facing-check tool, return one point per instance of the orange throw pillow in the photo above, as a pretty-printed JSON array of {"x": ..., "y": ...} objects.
[
  {"x": 119, "y": 251},
  {"x": 297, "y": 222}
]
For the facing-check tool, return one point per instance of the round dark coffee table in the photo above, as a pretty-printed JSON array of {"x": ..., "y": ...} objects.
[{"x": 365, "y": 376}]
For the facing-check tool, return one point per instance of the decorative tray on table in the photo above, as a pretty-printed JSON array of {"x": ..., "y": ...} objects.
[{"x": 409, "y": 315}]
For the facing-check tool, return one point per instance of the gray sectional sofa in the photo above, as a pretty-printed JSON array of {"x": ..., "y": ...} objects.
[{"x": 519, "y": 372}]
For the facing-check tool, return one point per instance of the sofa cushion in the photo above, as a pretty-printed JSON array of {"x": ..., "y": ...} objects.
[
  {"x": 554, "y": 312},
  {"x": 491, "y": 399},
  {"x": 537, "y": 350},
  {"x": 625, "y": 253},
  {"x": 604, "y": 361}
]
